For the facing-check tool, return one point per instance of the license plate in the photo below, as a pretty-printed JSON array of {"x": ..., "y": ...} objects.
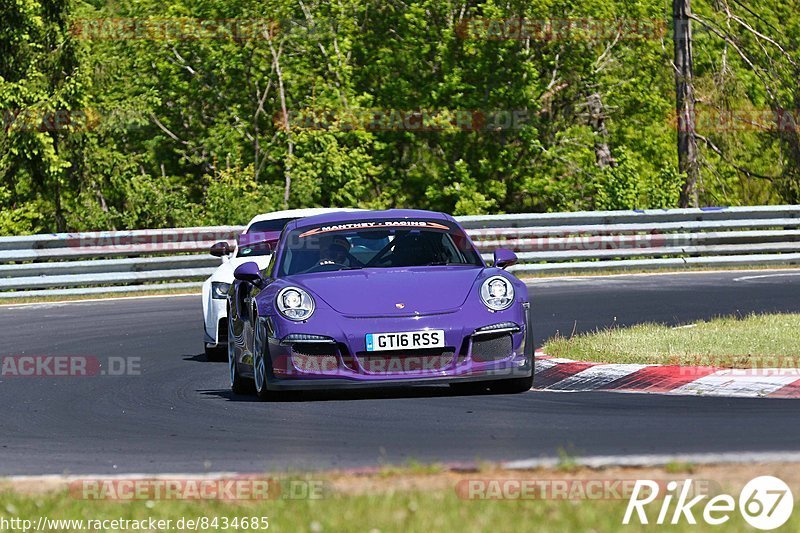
[{"x": 405, "y": 340}]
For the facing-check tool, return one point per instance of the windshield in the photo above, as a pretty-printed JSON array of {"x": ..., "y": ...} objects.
[
  {"x": 376, "y": 244},
  {"x": 254, "y": 248}
]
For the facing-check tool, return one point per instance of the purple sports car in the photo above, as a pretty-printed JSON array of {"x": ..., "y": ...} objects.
[{"x": 374, "y": 298}]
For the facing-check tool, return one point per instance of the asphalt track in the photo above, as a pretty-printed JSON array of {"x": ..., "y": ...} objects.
[{"x": 179, "y": 416}]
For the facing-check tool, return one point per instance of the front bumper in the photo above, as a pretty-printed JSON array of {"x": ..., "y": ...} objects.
[
  {"x": 333, "y": 383},
  {"x": 215, "y": 320},
  {"x": 336, "y": 356}
]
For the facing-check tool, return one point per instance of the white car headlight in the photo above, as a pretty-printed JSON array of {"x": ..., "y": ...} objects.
[
  {"x": 295, "y": 304},
  {"x": 219, "y": 290},
  {"x": 497, "y": 293}
]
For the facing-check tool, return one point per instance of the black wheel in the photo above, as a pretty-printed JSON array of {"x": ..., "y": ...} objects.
[
  {"x": 215, "y": 353},
  {"x": 260, "y": 364},
  {"x": 239, "y": 385},
  {"x": 517, "y": 385}
]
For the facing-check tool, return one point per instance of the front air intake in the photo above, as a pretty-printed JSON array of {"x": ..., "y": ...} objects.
[
  {"x": 315, "y": 357},
  {"x": 491, "y": 347}
]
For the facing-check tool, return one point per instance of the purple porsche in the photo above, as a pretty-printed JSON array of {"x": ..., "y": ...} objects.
[{"x": 375, "y": 298}]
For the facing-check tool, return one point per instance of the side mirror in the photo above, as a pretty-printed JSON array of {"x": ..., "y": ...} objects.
[
  {"x": 504, "y": 258},
  {"x": 248, "y": 272},
  {"x": 220, "y": 249}
]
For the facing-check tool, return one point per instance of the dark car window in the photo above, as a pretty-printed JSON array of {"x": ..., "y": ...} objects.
[
  {"x": 255, "y": 250},
  {"x": 264, "y": 226},
  {"x": 376, "y": 244},
  {"x": 269, "y": 225}
]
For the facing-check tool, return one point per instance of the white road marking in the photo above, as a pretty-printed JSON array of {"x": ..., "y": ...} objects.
[
  {"x": 42, "y": 305},
  {"x": 732, "y": 382},
  {"x": 605, "y": 461},
  {"x": 561, "y": 360},
  {"x": 763, "y": 276},
  {"x": 597, "y": 376},
  {"x": 603, "y": 277},
  {"x": 537, "y": 281},
  {"x": 744, "y": 383},
  {"x": 544, "y": 364}
]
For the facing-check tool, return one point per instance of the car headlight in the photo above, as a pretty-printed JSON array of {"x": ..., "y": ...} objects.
[
  {"x": 497, "y": 293},
  {"x": 295, "y": 304},
  {"x": 219, "y": 290}
]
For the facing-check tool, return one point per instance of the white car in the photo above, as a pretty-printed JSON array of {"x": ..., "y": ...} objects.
[{"x": 215, "y": 288}]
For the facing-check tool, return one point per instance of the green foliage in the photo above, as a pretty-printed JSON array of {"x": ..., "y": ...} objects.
[
  {"x": 173, "y": 131},
  {"x": 663, "y": 188},
  {"x": 329, "y": 171},
  {"x": 462, "y": 194},
  {"x": 233, "y": 196},
  {"x": 629, "y": 185},
  {"x": 18, "y": 220},
  {"x": 155, "y": 203}
]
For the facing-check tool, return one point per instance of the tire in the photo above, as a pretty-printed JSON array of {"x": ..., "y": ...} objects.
[
  {"x": 239, "y": 385},
  {"x": 215, "y": 354},
  {"x": 260, "y": 361},
  {"x": 518, "y": 385}
]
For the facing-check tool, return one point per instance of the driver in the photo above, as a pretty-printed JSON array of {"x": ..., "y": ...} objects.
[{"x": 337, "y": 251}]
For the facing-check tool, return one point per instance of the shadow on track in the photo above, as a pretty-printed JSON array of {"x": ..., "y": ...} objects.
[
  {"x": 386, "y": 393},
  {"x": 201, "y": 358},
  {"x": 367, "y": 393}
]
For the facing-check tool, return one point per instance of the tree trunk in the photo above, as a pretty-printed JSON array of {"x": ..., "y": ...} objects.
[
  {"x": 789, "y": 133},
  {"x": 684, "y": 103},
  {"x": 597, "y": 121},
  {"x": 61, "y": 223},
  {"x": 287, "y": 188}
]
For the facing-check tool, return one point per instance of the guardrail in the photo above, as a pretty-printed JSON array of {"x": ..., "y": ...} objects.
[{"x": 124, "y": 261}]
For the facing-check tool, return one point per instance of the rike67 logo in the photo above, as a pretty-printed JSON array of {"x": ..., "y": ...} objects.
[{"x": 765, "y": 503}]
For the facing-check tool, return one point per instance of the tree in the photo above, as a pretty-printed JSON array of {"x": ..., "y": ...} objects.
[
  {"x": 41, "y": 92},
  {"x": 684, "y": 101}
]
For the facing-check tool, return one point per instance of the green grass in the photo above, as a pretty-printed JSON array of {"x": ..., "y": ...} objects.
[
  {"x": 754, "y": 341},
  {"x": 412, "y": 466},
  {"x": 402, "y": 511},
  {"x": 679, "y": 467}
]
